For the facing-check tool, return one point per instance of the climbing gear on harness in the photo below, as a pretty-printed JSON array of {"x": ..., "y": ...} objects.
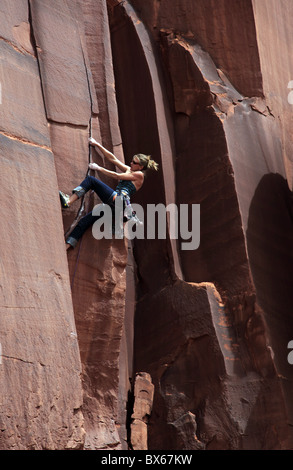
[
  {"x": 128, "y": 213},
  {"x": 64, "y": 198}
]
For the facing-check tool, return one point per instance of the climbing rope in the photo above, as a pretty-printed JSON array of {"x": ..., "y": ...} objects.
[{"x": 82, "y": 206}]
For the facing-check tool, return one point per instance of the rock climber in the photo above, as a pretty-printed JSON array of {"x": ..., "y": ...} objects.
[{"x": 130, "y": 180}]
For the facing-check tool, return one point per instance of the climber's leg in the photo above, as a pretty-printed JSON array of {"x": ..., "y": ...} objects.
[
  {"x": 101, "y": 189},
  {"x": 72, "y": 199},
  {"x": 105, "y": 193},
  {"x": 84, "y": 223}
]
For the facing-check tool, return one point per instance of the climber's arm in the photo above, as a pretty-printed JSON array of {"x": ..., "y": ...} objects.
[
  {"x": 109, "y": 155},
  {"x": 127, "y": 175}
]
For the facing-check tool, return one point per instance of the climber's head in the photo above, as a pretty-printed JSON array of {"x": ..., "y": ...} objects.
[{"x": 143, "y": 162}]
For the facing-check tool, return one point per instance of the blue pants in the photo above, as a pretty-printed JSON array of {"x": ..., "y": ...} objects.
[{"x": 105, "y": 193}]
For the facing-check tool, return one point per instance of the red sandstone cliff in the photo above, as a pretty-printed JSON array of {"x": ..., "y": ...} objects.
[{"x": 202, "y": 86}]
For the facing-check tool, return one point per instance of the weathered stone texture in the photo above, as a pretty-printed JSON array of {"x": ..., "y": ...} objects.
[
  {"x": 143, "y": 402},
  {"x": 41, "y": 393},
  {"x": 64, "y": 78}
]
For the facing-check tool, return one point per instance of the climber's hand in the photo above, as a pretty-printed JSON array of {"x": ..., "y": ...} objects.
[
  {"x": 94, "y": 166},
  {"x": 93, "y": 141}
]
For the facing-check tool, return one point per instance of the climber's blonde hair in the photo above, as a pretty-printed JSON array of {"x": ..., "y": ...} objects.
[{"x": 147, "y": 162}]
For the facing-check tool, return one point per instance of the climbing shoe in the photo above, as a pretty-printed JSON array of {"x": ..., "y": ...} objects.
[{"x": 64, "y": 198}]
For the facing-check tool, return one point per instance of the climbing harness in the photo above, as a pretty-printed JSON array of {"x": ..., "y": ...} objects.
[{"x": 128, "y": 212}]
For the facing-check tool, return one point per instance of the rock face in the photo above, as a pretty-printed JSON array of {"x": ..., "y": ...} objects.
[
  {"x": 41, "y": 392},
  {"x": 203, "y": 333},
  {"x": 142, "y": 409}
]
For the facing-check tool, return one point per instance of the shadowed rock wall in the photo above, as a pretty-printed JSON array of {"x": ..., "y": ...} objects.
[
  {"x": 216, "y": 351},
  {"x": 202, "y": 87}
]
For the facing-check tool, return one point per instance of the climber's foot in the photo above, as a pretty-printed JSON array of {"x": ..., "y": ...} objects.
[{"x": 64, "y": 198}]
